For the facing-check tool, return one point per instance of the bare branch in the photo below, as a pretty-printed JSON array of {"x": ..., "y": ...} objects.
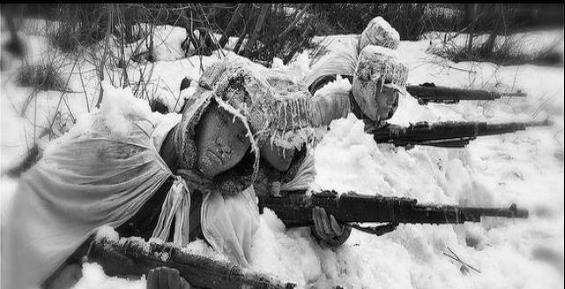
[
  {"x": 257, "y": 30},
  {"x": 294, "y": 22}
]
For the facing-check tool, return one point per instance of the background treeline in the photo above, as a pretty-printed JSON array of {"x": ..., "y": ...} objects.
[
  {"x": 411, "y": 20},
  {"x": 267, "y": 30}
]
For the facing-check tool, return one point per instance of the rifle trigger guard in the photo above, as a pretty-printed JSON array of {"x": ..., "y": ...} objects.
[{"x": 376, "y": 230}]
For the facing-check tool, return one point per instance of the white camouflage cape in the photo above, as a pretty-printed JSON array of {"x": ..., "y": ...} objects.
[{"x": 97, "y": 176}]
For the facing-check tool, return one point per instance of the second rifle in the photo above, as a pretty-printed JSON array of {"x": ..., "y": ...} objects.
[
  {"x": 429, "y": 92},
  {"x": 446, "y": 134}
]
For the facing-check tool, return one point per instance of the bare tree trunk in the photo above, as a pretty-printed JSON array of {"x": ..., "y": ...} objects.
[
  {"x": 257, "y": 30},
  {"x": 233, "y": 21},
  {"x": 471, "y": 10},
  {"x": 488, "y": 46},
  {"x": 190, "y": 31},
  {"x": 123, "y": 23}
]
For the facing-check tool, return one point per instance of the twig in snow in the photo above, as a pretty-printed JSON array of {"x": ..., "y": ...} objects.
[
  {"x": 464, "y": 266},
  {"x": 84, "y": 89},
  {"x": 59, "y": 104},
  {"x": 103, "y": 62},
  {"x": 541, "y": 106}
]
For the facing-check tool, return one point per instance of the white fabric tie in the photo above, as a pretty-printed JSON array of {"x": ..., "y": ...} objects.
[{"x": 177, "y": 205}]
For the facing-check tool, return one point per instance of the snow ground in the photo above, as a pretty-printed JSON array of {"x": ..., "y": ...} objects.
[{"x": 525, "y": 168}]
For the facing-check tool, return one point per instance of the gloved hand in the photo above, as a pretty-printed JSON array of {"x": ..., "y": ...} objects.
[
  {"x": 327, "y": 230},
  {"x": 166, "y": 278}
]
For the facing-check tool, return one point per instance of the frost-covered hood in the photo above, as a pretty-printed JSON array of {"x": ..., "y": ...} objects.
[{"x": 275, "y": 104}]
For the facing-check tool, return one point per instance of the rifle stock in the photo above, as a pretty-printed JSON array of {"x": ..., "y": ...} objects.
[
  {"x": 132, "y": 256},
  {"x": 446, "y": 134},
  {"x": 296, "y": 209}
]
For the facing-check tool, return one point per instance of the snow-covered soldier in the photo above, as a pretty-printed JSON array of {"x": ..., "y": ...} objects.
[
  {"x": 246, "y": 130},
  {"x": 374, "y": 69}
]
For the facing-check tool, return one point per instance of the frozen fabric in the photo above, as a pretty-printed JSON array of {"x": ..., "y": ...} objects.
[{"x": 229, "y": 223}]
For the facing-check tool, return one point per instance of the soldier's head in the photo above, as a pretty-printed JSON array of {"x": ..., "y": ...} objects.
[
  {"x": 242, "y": 112},
  {"x": 221, "y": 141},
  {"x": 379, "y": 79}
]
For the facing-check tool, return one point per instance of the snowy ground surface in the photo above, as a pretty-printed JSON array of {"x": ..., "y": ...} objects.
[{"x": 525, "y": 168}]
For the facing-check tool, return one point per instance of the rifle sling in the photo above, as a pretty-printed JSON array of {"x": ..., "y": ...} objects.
[{"x": 376, "y": 230}]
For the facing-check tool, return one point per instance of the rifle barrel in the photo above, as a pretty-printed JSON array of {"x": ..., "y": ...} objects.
[
  {"x": 446, "y": 94},
  {"x": 447, "y": 134},
  {"x": 509, "y": 127},
  {"x": 430, "y": 93},
  {"x": 514, "y": 94}
]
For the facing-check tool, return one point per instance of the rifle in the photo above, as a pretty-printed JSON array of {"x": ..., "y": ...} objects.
[
  {"x": 133, "y": 256},
  {"x": 296, "y": 210},
  {"x": 429, "y": 92},
  {"x": 446, "y": 134}
]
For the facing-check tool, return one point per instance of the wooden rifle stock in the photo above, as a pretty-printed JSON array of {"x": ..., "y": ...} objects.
[{"x": 133, "y": 256}]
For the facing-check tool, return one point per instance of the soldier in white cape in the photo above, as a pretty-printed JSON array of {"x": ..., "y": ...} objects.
[{"x": 374, "y": 69}]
